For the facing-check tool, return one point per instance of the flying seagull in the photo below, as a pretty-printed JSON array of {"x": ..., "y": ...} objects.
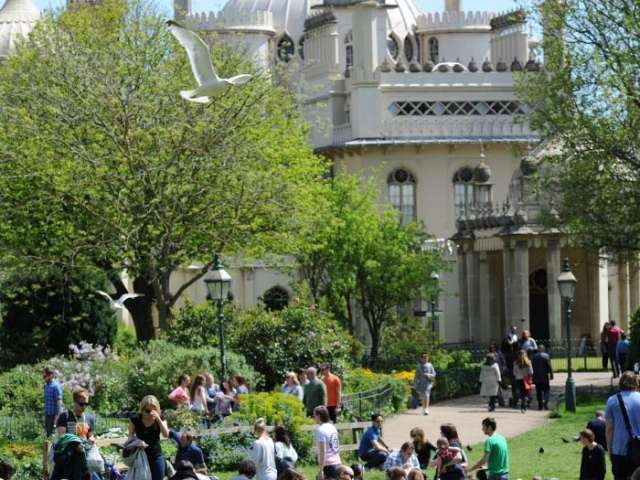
[
  {"x": 209, "y": 84},
  {"x": 119, "y": 303}
]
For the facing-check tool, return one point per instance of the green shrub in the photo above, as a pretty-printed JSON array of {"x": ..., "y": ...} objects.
[
  {"x": 126, "y": 342},
  {"x": 277, "y": 409},
  {"x": 183, "y": 419},
  {"x": 224, "y": 452},
  {"x": 362, "y": 380},
  {"x": 21, "y": 391},
  {"x": 298, "y": 336},
  {"x": 634, "y": 332},
  {"x": 44, "y": 312},
  {"x": 456, "y": 383},
  {"x": 155, "y": 368},
  {"x": 194, "y": 325}
]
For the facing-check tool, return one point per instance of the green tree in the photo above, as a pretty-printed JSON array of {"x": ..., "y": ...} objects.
[
  {"x": 586, "y": 105},
  {"x": 103, "y": 164},
  {"x": 44, "y": 312},
  {"x": 359, "y": 255}
]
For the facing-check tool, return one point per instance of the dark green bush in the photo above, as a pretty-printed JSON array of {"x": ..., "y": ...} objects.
[
  {"x": 155, "y": 368},
  {"x": 21, "y": 391},
  {"x": 456, "y": 383},
  {"x": 224, "y": 452},
  {"x": 297, "y": 336},
  {"x": 42, "y": 313},
  {"x": 194, "y": 325}
]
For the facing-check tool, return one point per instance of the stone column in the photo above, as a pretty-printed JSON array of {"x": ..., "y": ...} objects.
[
  {"x": 507, "y": 269},
  {"x": 623, "y": 298},
  {"x": 520, "y": 290},
  {"x": 462, "y": 293},
  {"x": 484, "y": 292},
  {"x": 554, "y": 301},
  {"x": 473, "y": 294}
]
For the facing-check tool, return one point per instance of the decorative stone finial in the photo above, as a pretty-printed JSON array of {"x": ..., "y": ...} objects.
[
  {"x": 473, "y": 66},
  {"x": 487, "y": 66},
  {"x": 501, "y": 66}
]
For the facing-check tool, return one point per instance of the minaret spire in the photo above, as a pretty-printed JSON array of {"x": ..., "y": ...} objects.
[{"x": 453, "y": 6}]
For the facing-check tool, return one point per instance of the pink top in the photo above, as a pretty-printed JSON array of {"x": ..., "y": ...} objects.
[{"x": 180, "y": 396}]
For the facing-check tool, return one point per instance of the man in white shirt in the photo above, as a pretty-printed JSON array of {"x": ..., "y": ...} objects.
[{"x": 263, "y": 453}]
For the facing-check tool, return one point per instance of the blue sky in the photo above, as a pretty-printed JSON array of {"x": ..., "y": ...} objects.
[{"x": 426, "y": 5}]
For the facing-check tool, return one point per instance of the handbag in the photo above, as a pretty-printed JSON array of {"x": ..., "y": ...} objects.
[
  {"x": 528, "y": 384},
  {"x": 633, "y": 451}
]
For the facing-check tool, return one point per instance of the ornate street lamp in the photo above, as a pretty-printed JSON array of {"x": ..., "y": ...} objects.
[
  {"x": 218, "y": 284},
  {"x": 567, "y": 286},
  {"x": 434, "y": 296}
]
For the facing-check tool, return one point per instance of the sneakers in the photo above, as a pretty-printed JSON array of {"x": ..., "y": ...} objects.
[{"x": 425, "y": 412}]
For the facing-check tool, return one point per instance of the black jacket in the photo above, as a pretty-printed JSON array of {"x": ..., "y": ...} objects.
[{"x": 542, "y": 371}]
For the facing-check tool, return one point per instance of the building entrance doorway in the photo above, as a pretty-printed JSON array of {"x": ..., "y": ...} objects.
[{"x": 538, "y": 305}]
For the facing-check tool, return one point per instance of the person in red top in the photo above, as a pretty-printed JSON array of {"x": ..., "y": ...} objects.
[
  {"x": 334, "y": 391},
  {"x": 613, "y": 337}
]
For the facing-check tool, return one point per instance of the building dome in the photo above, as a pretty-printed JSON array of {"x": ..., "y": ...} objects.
[{"x": 17, "y": 19}]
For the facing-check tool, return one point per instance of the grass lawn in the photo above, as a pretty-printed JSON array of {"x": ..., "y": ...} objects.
[{"x": 560, "y": 460}]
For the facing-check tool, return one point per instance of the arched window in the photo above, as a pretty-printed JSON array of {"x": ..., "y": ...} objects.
[
  {"x": 392, "y": 47},
  {"x": 463, "y": 190},
  {"x": 276, "y": 298},
  {"x": 434, "y": 50},
  {"x": 301, "y": 47},
  {"x": 286, "y": 48},
  {"x": 409, "y": 50},
  {"x": 402, "y": 194},
  {"x": 348, "y": 46}
]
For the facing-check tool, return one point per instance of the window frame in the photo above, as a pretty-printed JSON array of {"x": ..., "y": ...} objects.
[{"x": 404, "y": 201}]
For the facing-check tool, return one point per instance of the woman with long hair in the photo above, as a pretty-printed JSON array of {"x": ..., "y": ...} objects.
[
  {"x": 423, "y": 448},
  {"x": 199, "y": 395},
  {"x": 490, "y": 379},
  {"x": 147, "y": 426},
  {"x": 522, "y": 373},
  {"x": 286, "y": 455},
  {"x": 180, "y": 395},
  {"x": 450, "y": 432},
  {"x": 224, "y": 400}
]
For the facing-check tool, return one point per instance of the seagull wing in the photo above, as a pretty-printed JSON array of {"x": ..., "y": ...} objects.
[
  {"x": 128, "y": 296},
  {"x": 198, "y": 53},
  {"x": 239, "y": 79},
  {"x": 105, "y": 295}
]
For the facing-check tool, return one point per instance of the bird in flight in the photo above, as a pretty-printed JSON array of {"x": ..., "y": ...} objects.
[
  {"x": 119, "y": 303},
  {"x": 209, "y": 84}
]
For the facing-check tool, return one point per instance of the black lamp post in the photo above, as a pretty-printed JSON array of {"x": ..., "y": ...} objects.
[
  {"x": 434, "y": 296},
  {"x": 218, "y": 284},
  {"x": 567, "y": 286}
]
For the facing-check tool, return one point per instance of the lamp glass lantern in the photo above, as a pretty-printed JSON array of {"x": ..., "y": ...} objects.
[
  {"x": 567, "y": 283},
  {"x": 218, "y": 283}
]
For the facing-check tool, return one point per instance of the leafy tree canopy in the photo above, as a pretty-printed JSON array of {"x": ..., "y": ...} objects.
[
  {"x": 586, "y": 104},
  {"x": 105, "y": 166}
]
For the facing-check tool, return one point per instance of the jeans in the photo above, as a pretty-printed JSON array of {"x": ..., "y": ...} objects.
[
  {"x": 492, "y": 403},
  {"x": 542, "y": 395},
  {"x": 622, "y": 361},
  {"x": 615, "y": 366},
  {"x": 157, "y": 466},
  {"x": 522, "y": 395},
  {"x": 374, "y": 458}
]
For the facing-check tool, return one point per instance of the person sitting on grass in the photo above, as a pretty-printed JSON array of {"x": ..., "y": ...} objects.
[
  {"x": 358, "y": 471},
  {"x": 187, "y": 450},
  {"x": 397, "y": 473},
  {"x": 372, "y": 448},
  {"x": 448, "y": 460},
  {"x": 593, "y": 464},
  {"x": 404, "y": 458},
  {"x": 246, "y": 471},
  {"x": 416, "y": 474},
  {"x": 424, "y": 448}
]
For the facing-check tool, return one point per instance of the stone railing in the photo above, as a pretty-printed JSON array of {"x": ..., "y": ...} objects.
[
  {"x": 453, "y": 21},
  {"x": 495, "y": 127},
  {"x": 342, "y": 134}
]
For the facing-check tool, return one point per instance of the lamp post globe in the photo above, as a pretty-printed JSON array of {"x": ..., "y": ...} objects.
[
  {"x": 567, "y": 286},
  {"x": 436, "y": 279},
  {"x": 218, "y": 284}
]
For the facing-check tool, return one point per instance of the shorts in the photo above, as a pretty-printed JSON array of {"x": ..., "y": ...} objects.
[{"x": 425, "y": 392}]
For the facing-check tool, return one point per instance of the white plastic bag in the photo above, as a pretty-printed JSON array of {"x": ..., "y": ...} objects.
[
  {"x": 140, "y": 469},
  {"x": 95, "y": 462}
]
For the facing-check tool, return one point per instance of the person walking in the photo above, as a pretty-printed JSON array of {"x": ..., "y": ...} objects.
[
  {"x": 542, "y": 376},
  {"x": 423, "y": 381},
  {"x": 523, "y": 373},
  {"x": 593, "y": 463},
  {"x": 291, "y": 386},
  {"x": 604, "y": 349},
  {"x": 496, "y": 452},
  {"x": 598, "y": 426},
  {"x": 147, "y": 425},
  {"x": 622, "y": 416},
  {"x": 614, "y": 333},
  {"x": 372, "y": 449},
  {"x": 315, "y": 392},
  {"x": 333, "y": 386},
  {"x": 263, "y": 452},
  {"x": 327, "y": 444},
  {"x": 52, "y": 392},
  {"x": 490, "y": 379},
  {"x": 528, "y": 343},
  {"x": 622, "y": 350},
  {"x": 286, "y": 455}
]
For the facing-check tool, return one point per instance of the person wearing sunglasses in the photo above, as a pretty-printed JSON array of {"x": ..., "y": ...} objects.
[
  {"x": 147, "y": 426},
  {"x": 76, "y": 420}
]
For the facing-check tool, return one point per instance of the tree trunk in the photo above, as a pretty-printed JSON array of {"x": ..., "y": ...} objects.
[{"x": 140, "y": 309}]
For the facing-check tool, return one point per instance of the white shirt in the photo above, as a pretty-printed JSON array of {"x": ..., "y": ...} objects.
[
  {"x": 263, "y": 455},
  {"x": 326, "y": 437}
]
